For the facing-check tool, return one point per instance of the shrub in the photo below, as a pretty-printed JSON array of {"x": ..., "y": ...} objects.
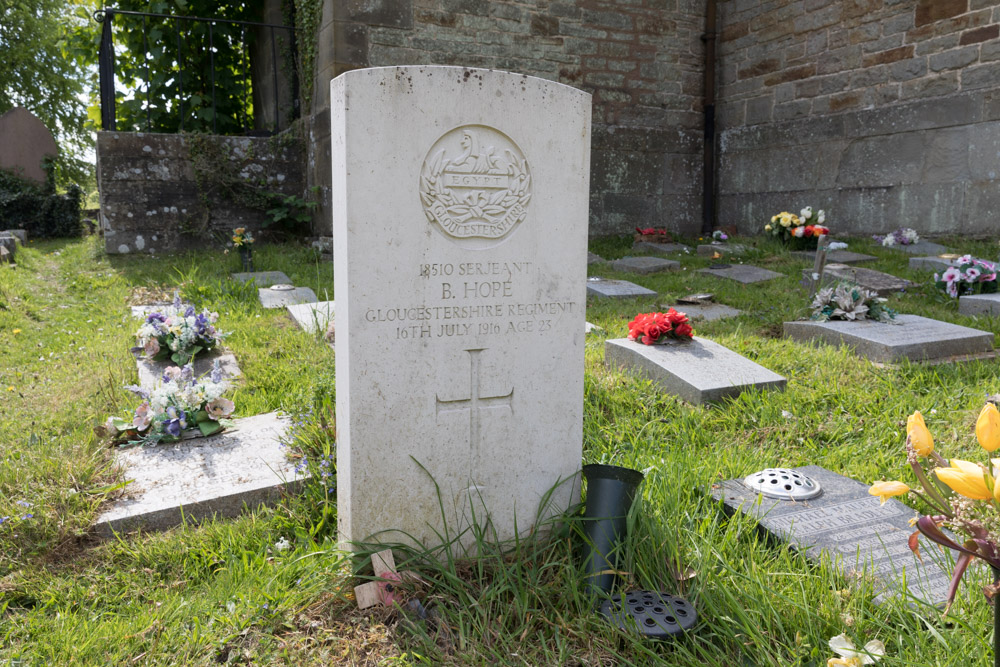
[{"x": 44, "y": 214}]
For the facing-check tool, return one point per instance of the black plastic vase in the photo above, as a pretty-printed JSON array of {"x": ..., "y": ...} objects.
[{"x": 610, "y": 493}]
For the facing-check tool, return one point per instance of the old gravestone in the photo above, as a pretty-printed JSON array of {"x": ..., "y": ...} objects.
[
  {"x": 460, "y": 238},
  {"x": 747, "y": 274},
  {"x": 877, "y": 281},
  {"x": 980, "y": 304},
  {"x": 25, "y": 142}
]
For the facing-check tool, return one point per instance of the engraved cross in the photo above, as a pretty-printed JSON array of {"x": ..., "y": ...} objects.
[{"x": 474, "y": 404}]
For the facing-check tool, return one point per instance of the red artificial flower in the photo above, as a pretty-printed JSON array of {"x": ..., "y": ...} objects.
[{"x": 808, "y": 231}]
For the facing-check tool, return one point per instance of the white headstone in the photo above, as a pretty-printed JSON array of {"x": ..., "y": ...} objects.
[{"x": 460, "y": 208}]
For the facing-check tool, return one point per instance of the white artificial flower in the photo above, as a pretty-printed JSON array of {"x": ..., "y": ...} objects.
[
  {"x": 821, "y": 216},
  {"x": 282, "y": 545},
  {"x": 889, "y": 241},
  {"x": 837, "y": 245},
  {"x": 806, "y": 213},
  {"x": 852, "y": 657}
]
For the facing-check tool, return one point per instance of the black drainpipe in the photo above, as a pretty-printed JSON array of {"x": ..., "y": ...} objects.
[{"x": 708, "y": 168}]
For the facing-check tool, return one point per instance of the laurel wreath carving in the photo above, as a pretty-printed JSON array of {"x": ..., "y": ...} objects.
[{"x": 475, "y": 205}]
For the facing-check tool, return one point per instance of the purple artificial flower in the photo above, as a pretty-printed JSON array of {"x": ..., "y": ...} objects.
[
  {"x": 186, "y": 375},
  {"x": 189, "y": 312},
  {"x": 177, "y": 301},
  {"x": 153, "y": 318},
  {"x": 217, "y": 372},
  {"x": 138, "y": 391},
  {"x": 176, "y": 421}
]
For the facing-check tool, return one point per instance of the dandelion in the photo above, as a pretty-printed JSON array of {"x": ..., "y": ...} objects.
[{"x": 16, "y": 331}]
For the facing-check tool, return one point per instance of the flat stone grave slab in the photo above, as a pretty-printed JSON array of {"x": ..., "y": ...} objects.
[
  {"x": 921, "y": 248},
  {"x": 979, "y": 304},
  {"x": 913, "y": 337},
  {"x": 262, "y": 278},
  {"x": 834, "y": 256},
  {"x": 594, "y": 259},
  {"x": 705, "y": 312},
  {"x": 592, "y": 328},
  {"x": 660, "y": 248},
  {"x": 850, "y": 526},
  {"x": 151, "y": 372},
  {"x": 202, "y": 477},
  {"x": 645, "y": 265},
  {"x": 741, "y": 273},
  {"x": 280, "y": 298},
  {"x": 619, "y": 289},
  {"x": 312, "y": 317},
  {"x": 144, "y": 310},
  {"x": 699, "y": 371},
  {"x": 930, "y": 263},
  {"x": 709, "y": 249},
  {"x": 881, "y": 283}
]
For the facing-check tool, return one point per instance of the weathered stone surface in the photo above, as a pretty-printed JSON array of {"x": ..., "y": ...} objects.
[
  {"x": 741, "y": 273},
  {"x": 980, "y": 304},
  {"x": 151, "y": 372},
  {"x": 699, "y": 371},
  {"x": 592, "y": 328},
  {"x": 26, "y": 142},
  {"x": 272, "y": 298},
  {"x": 922, "y": 248},
  {"x": 660, "y": 248},
  {"x": 263, "y": 278},
  {"x": 834, "y": 256},
  {"x": 706, "y": 312},
  {"x": 143, "y": 311},
  {"x": 9, "y": 244},
  {"x": 710, "y": 249},
  {"x": 645, "y": 265},
  {"x": 451, "y": 336},
  {"x": 930, "y": 263},
  {"x": 879, "y": 282},
  {"x": 244, "y": 466},
  {"x": 594, "y": 259},
  {"x": 20, "y": 234},
  {"x": 312, "y": 317},
  {"x": 621, "y": 289},
  {"x": 915, "y": 338},
  {"x": 850, "y": 526}
]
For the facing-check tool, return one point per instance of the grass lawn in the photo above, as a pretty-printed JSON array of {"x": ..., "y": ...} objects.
[{"x": 228, "y": 593}]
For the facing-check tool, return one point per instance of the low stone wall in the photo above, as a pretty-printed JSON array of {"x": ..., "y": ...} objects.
[{"x": 155, "y": 197}]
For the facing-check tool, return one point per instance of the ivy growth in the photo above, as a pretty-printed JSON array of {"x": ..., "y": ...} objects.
[{"x": 308, "y": 14}]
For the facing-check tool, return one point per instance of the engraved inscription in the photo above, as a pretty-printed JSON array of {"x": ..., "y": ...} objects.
[
  {"x": 842, "y": 515},
  {"x": 475, "y": 184}
]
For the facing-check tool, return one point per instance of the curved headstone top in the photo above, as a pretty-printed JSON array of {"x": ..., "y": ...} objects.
[{"x": 26, "y": 141}]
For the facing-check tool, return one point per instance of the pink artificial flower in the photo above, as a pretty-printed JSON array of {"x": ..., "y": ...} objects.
[
  {"x": 143, "y": 416},
  {"x": 220, "y": 408},
  {"x": 965, "y": 259},
  {"x": 952, "y": 290},
  {"x": 971, "y": 274},
  {"x": 152, "y": 347},
  {"x": 951, "y": 275},
  {"x": 171, "y": 374},
  {"x": 987, "y": 277}
]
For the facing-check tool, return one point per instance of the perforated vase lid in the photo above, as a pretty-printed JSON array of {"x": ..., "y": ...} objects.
[
  {"x": 783, "y": 484},
  {"x": 282, "y": 287},
  {"x": 650, "y": 613}
]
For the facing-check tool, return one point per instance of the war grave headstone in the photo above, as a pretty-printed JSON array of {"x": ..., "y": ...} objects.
[
  {"x": 245, "y": 465},
  {"x": 911, "y": 337},
  {"x": 834, "y": 256},
  {"x": 594, "y": 259},
  {"x": 980, "y": 304},
  {"x": 846, "y": 523},
  {"x": 459, "y": 270},
  {"x": 262, "y": 278},
  {"x": 645, "y": 265},
  {"x": 699, "y": 371},
  {"x": 881, "y": 283},
  {"x": 921, "y": 248},
  {"x": 617, "y": 289},
  {"x": 746, "y": 274},
  {"x": 284, "y": 294},
  {"x": 660, "y": 248},
  {"x": 711, "y": 249},
  {"x": 312, "y": 317}
]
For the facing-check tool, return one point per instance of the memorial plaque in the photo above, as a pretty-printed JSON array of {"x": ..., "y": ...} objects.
[
  {"x": 910, "y": 337},
  {"x": 617, "y": 289},
  {"x": 881, "y": 283},
  {"x": 460, "y": 223},
  {"x": 746, "y": 274},
  {"x": 645, "y": 265},
  {"x": 851, "y": 526}
]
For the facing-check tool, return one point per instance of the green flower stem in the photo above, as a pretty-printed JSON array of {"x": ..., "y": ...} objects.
[{"x": 930, "y": 489}]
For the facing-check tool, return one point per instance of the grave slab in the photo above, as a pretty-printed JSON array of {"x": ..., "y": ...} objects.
[
  {"x": 881, "y": 283},
  {"x": 706, "y": 312},
  {"x": 746, "y": 274},
  {"x": 700, "y": 371},
  {"x": 144, "y": 310},
  {"x": 660, "y": 248},
  {"x": 262, "y": 278},
  {"x": 922, "y": 248},
  {"x": 913, "y": 337},
  {"x": 451, "y": 336},
  {"x": 594, "y": 259},
  {"x": 980, "y": 304},
  {"x": 645, "y": 265},
  {"x": 850, "y": 526},
  {"x": 592, "y": 328},
  {"x": 280, "y": 298},
  {"x": 203, "y": 477},
  {"x": 834, "y": 256},
  {"x": 151, "y": 372},
  {"x": 709, "y": 249},
  {"x": 617, "y": 289},
  {"x": 312, "y": 317},
  {"x": 935, "y": 263}
]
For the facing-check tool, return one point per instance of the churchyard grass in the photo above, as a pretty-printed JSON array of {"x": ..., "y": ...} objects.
[{"x": 232, "y": 592}]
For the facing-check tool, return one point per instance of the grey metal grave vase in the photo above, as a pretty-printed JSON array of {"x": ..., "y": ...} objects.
[
  {"x": 610, "y": 493},
  {"x": 246, "y": 258}
]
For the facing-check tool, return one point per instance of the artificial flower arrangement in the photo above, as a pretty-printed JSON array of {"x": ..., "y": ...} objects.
[
  {"x": 177, "y": 333},
  {"x": 652, "y": 235},
  {"x": 179, "y": 403},
  {"x": 963, "y": 497},
  {"x": 805, "y": 225},
  {"x": 241, "y": 237},
  {"x": 901, "y": 236},
  {"x": 719, "y": 236},
  {"x": 660, "y": 328},
  {"x": 850, "y": 302},
  {"x": 968, "y": 276}
]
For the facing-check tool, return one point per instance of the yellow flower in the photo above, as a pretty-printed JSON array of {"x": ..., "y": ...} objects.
[
  {"x": 886, "y": 490},
  {"x": 774, "y": 218},
  {"x": 988, "y": 427},
  {"x": 16, "y": 331},
  {"x": 10, "y": 389},
  {"x": 967, "y": 478},
  {"x": 767, "y": 228},
  {"x": 920, "y": 438}
]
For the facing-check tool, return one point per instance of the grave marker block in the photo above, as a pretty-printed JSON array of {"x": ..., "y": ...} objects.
[
  {"x": 881, "y": 283},
  {"x": 980, "y": 304},
  {"x": 645, "y": 265},
  {"x": 853, "y": 529},
  {"x": 834, "y": 256},
  {"x": 151, "y": 372},
  {"x": 460, "y": 213},
  {"x": 280, "y": 298},
  {"x": 922, "y": 248},
  {"x": 709, "y": 249},
  {"x": 746, "y": 274},
  {"x": 262, "y": 278},
  {"x": 930, "y": 263},
  {"x": 594, "y": 259},
  {"x": 706, "y": 312},
  {"x": 312, "y": 317},
  {"x": 617, "y": 289},
  {"x": 660, "y": 248}
]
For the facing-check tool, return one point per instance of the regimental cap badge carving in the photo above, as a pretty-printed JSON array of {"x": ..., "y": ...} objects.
[{"x": 475, "y": 185}]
